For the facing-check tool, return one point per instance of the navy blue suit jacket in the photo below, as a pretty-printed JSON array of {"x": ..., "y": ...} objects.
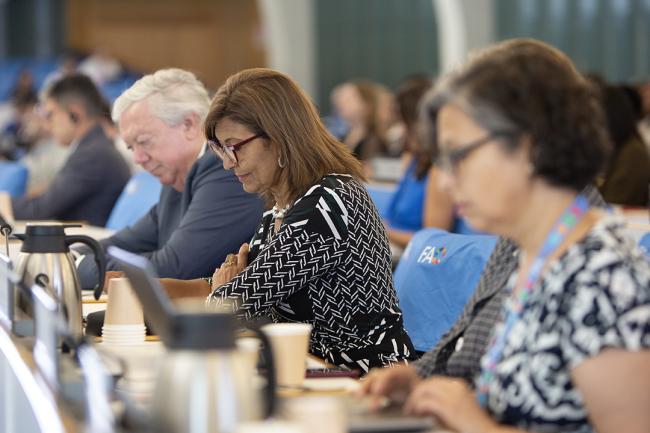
[
  {"x": 187, "y": 235},
  {"x": 86, "y": 187}
]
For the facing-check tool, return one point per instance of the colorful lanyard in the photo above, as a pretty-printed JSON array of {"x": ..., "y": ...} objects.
[{"x": 517, "y": 301}]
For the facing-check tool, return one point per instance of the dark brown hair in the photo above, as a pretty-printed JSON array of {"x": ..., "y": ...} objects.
[
  {"x": 371, "y": 94},
  {"x": 270, "y": 103},
  {"x": 409, "y": 95},
  {"x": 79, "y": 89}
]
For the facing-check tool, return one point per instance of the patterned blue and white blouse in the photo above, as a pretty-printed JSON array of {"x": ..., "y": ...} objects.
[
  {"x": 329, "y": 265},
  {"x": 595, "y": 296}
]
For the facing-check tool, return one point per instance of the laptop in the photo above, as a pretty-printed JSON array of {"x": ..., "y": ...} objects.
[
  {"x": 389, "y": 420},
  {"x": 160, "y": 313}
]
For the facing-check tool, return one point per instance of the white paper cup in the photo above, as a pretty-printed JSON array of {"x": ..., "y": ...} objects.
[
  {"x": 248, "y": 349},
  {"x": 290, "y": 342},
  {"x": 316, "y": 414},
  {"x": 123, "y": 307}
]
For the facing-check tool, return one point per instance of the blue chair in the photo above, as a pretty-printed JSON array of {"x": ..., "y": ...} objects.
[
  {"x": 115, "y": 88},
  {"x": 381, "y": 197},
  {"x": 13, "y": 178},
  {"x": 644, "y": 243},
  {"x": 139, "y": 195},
  {"x": 434, "y": 279}
]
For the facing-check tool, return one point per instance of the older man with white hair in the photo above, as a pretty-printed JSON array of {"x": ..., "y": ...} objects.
[{"x": 203, "y": 212}]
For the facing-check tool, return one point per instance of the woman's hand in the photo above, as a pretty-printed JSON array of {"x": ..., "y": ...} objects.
[
  {"x": 394, "y": 383},
  {"x": 232, "y": 266},
  {"x": 452, "y": 402}
]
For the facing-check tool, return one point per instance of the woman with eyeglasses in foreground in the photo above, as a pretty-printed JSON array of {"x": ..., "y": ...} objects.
[
  {"x": 321, "y": 255},
  {"x": 518, "y": 133}
]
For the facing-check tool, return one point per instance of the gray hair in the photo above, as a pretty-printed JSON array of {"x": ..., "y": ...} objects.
[
  {"x": 171, "y": 94},
  {"x": 523, "y": 88}
]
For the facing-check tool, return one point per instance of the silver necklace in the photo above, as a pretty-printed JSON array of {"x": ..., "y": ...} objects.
[{"x": 278, "y": 213}]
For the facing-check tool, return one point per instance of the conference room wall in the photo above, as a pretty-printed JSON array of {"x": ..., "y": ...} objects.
[{"x": 213, "y": 38}]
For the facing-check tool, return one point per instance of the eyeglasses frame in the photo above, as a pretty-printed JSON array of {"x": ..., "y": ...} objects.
[
  {"x": 228, "y": 150},
  {"x": 450, "y": 161}
]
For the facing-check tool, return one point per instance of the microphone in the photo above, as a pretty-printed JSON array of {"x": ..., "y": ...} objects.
[{"x": 6, "y": 230}]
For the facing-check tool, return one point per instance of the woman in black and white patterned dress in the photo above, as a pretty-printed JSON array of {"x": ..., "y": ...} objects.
[
  {"x": 518, "y": 133},
  {"x": 321, "y": 256}
]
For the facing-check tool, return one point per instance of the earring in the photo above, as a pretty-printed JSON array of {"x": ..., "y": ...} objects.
[{"x": 280, "y": 163}]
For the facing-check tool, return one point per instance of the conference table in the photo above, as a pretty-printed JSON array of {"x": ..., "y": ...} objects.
[{"x": 29, "y": 404}]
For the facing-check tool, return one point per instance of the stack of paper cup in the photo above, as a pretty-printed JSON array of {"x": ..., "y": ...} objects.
[{"x": 124, "y": 321}]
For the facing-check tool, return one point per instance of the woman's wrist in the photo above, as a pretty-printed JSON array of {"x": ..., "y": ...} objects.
[{"x": 209, "y": 281}]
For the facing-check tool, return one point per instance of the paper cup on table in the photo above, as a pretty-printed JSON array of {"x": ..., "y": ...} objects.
[
  {"x": 290, "y": 342},
  {"x": 124, "y": 320},
  {"x": 249, "y": 350},
  {"x": 316, "y": 414}
]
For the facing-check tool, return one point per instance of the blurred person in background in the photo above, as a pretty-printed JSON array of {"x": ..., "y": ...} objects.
[
  {"x": 203, "y": 212},
  {"x": 627, "y": 177},
  {"x": 94, "y": 174},
  {"x": 321, "y": 255},
  {"x": 579, "y": 298},
  {"x": 418, "y": 201},
  {"x": 44, "y": 157},
  {"x": 100, "y": 66},
  {"x": 24, "y": 89},
  {"x": 27, "y": 140},
  {"x": 366, "y": 107},
  {"x": 13, "y": 145},
  {"x": 67, "y": 66}
]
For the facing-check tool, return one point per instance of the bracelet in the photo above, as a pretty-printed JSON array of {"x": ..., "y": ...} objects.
[{"x": 209, "y": 281}]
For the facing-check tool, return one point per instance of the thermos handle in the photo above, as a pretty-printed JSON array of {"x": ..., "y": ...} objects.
[
  {"x": 267, "y": 353},
  {"x": 100, "y": 259}
]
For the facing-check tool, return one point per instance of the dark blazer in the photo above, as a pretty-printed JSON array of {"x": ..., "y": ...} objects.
[
  {"x": 86, "y": 187},
  {"x": 187, "y": 235}
]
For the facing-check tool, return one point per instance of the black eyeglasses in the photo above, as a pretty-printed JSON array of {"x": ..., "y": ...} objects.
[
  {"x": 449, "y": 161},
  {"x": 228, "y": 150}
]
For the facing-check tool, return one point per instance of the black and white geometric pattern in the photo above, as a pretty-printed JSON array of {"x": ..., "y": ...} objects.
[
  {"x": 329, "y": 265},
  {"x": 595, "y": 296}
]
